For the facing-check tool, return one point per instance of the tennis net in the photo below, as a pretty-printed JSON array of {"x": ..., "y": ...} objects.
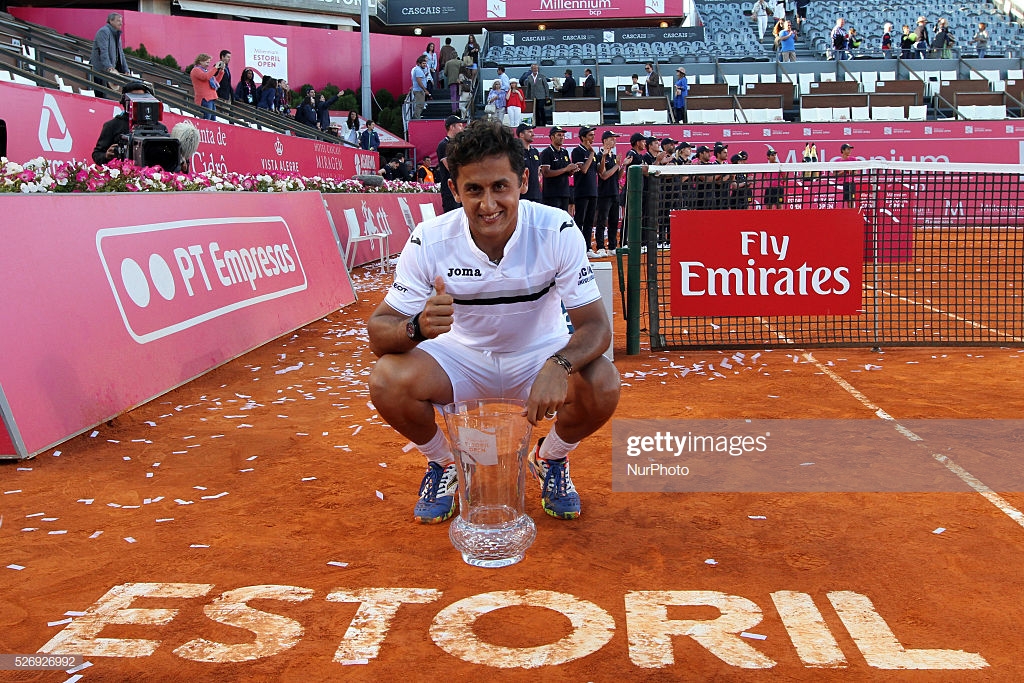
[{"x": 943, "y": 251}]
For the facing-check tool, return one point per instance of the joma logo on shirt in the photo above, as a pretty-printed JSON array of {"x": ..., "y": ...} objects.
[{"x": 464, "y": 272}]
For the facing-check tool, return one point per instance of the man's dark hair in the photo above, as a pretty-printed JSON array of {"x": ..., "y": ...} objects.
[
  {"x": 224, "y": 53},
  {"x": 481, "y": 139}
]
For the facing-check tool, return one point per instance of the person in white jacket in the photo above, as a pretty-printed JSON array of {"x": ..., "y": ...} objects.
[{"x": 760, "y": 11}]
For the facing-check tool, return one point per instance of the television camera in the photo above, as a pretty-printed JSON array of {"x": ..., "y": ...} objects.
[{"x": 147, "y": 142}]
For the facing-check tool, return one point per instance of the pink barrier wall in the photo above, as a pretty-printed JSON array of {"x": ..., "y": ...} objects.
[
  {"x": 366, "y": 214},
  {"x": 61, "y": 126},
  {"x": 139, "y": 293},
  {"x": 301, "y": 55}
]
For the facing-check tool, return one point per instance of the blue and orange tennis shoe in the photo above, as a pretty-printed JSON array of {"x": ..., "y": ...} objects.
[
  {"x": 558, "y": 496},
  {"x": 437, "y": 494}
]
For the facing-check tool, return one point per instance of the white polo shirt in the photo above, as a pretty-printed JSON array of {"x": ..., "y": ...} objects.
[{"x": 501, "y": 307}]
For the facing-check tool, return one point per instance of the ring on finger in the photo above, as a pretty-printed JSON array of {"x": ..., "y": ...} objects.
[{"x": 551, "y": 414}]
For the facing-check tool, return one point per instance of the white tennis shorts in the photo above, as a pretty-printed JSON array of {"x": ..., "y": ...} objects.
[{"x": 482, "y": 374}]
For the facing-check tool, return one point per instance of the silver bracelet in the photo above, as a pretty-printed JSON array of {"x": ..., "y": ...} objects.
[{"x": 562, "y": 362}]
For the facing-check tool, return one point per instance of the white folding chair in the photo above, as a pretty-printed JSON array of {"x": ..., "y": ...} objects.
[
  {"x": 860, "y": 113},
  {"x": 917, "y": 112},
  {"x": 356, "y": 235}
]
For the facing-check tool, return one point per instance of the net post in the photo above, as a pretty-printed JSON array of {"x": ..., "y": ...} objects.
[{"x": 634, "y": 198}]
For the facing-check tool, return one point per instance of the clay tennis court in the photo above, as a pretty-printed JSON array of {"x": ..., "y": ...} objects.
[{"x": 255, "y": 524}]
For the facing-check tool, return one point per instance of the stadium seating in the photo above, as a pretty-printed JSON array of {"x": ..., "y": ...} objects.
[
  {"x": 869, "y": 16},
  {"x": 35, "y": 55}
]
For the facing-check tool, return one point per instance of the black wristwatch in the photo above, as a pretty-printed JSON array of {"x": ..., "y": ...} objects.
[{"x": 412, "y": 328}]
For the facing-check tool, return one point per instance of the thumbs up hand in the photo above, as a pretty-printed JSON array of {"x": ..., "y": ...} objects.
[{"x": 436, "y": 318}]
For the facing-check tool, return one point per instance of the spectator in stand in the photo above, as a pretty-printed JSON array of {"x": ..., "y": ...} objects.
[
  {"x": 635, "y": 88},
  {"x": 467, "y": 82},
  {"x": 942, "y": 41},
  {"x": 907, "y": 40},
  {"x": 496, "y": 99},
  {"x": 107, "y": 50},
  {"x": 759, "y": 12},
  {"x": 283, "y": 102},
  {"x": 432, "y": 66},
  {"x": 681, "y": 90},
  {"x": 981, "y": 39},
  {"x": 247, "y": 91},
  {"x": 535, "y": 91},
  {"x": 447, "y": 54},
  {"x": 568, "y": 85},
  {"x": 266, "y": 95},
  {"x": 779, "y": 12},
  {"x": 472, "y": 50},
  {"x": 853, "y": 39},
  {"x": 306, "y": 112},
  {"x": 652, "y": 86},
  {"x": 506, "y": 84},
  {"x": 777, "y": 30},
  {"x": 839, "y": 40},
  {"x": 801, "y": 13},
  {"x": 205, "y": 81},
  {"x": 787, "y": 43},
  {"x": 226, "y": 92},
  {"x": 608, "y": 174},
  {"x": 923, "y": 43},
  {"x": 514, "y": 104},
  {"x": 425, "y": 172},
  {"x": 452, "y": 69},
  {"x": 887, "y": 40},
  {"x": 589, "y": 84},
  {"x": 368, "y": 139},
  {"x": 420, "y": 76},
  {"x": 323, "y": 111},
  {"x": 350, "y": 132},
  {"x": 585, "y": 186}
]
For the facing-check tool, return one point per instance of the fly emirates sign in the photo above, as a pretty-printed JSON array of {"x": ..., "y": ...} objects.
[{"x": 767, "y": 263}]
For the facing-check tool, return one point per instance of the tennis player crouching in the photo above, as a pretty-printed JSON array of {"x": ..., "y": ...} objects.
[{"x": 475, "y": 312}]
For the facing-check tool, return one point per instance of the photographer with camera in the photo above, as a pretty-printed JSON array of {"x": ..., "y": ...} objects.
[
  {"x": 137, "y": 134},
  {"x": 205, "y": 82}
]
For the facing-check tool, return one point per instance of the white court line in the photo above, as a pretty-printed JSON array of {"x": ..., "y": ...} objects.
[
  {"x": 1004, "y": 506},
  {"x": 954, "y": 316},
  {"x": 991, "y": 496}
]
